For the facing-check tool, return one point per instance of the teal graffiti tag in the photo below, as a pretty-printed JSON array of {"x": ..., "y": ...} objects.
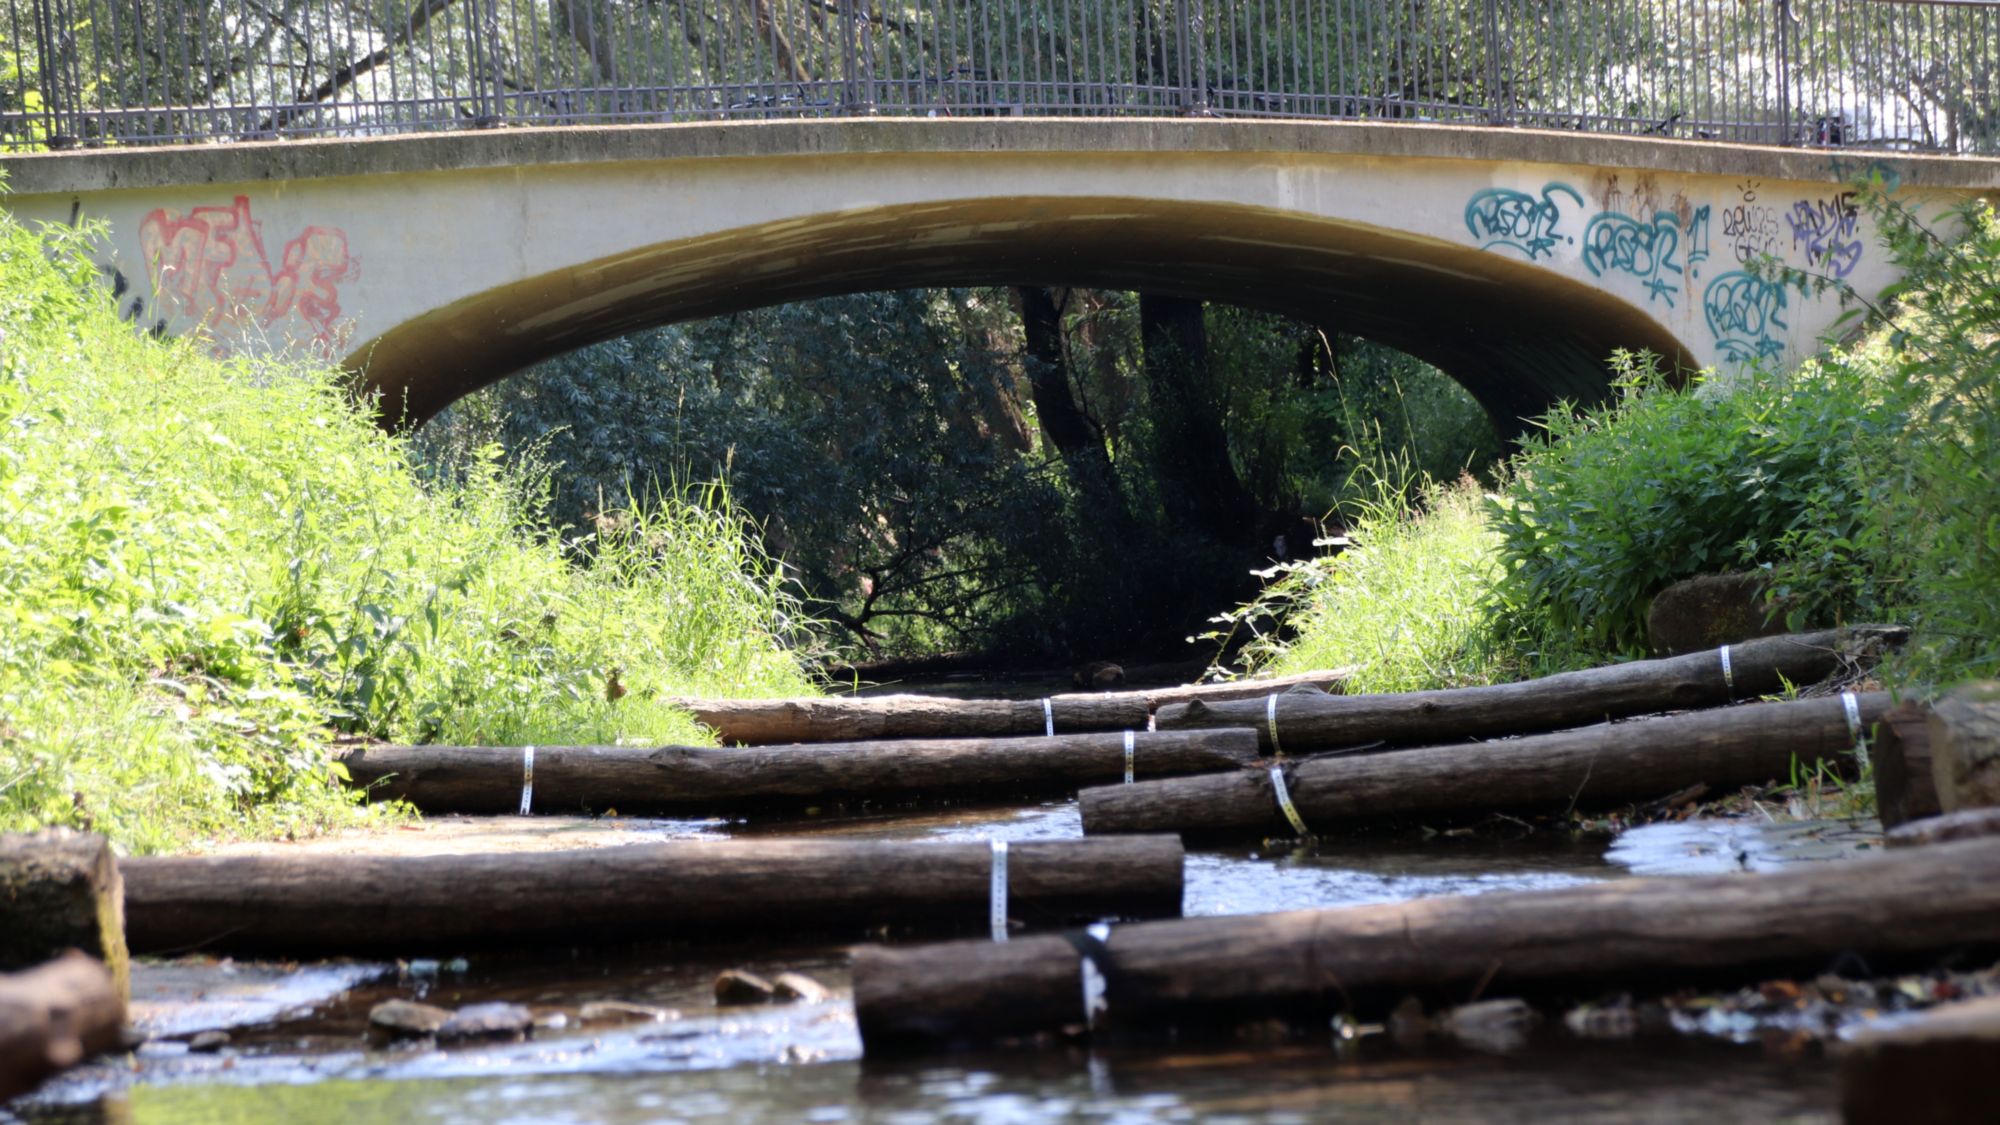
[
  {"x": 1612, "y": 241},
  {"x": 1504, "y": 217},
  {"x": 1742, "y": 311},
  {"x": 1697, "y": 240}
]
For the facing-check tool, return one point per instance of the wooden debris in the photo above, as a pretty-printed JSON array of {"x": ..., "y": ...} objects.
[
  {"x": 741, "y": 986},
  {"x": 55, "y": 1016},
  {"x": 1756, "y": 668},
  {"x": 1594, "y": 767},
  {"x": 1931, "y": 1069},
  {"x": 707, "y": 780},
  {"x": 60, "y": 890},
  {"x": 800, "y": 988},
  {"x": 755, "y": 722},
  {"x": 1965, "y": 824},
  {"x": 1965, "y": 746},
  {"x": 1905, "y": 784},
  {"x": 681, "y": 890},
  {"x": 1361, "y": 960}
]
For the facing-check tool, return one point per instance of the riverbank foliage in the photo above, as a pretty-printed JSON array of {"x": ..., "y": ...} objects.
[
  {"x": 210, "y": 568},
  {"x": 1864, "y": 483}
]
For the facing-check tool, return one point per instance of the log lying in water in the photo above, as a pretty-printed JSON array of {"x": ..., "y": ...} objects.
[
  {"x": 55, "y": 1016},
  {"x": 1933, "y": 1068},
  {"x": 1322, "y": 722},
  {"x": 1593, "y": 767},
  {"x": 686, "y": 890},
  {"x": 1310, "y": 964},
  {"x": 60, "y": 890},
  {"x": 707, "y": 780},
  {"x": 759, "y": 722}
]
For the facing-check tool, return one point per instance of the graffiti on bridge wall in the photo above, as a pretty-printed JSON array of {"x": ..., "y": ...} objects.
[
  {"x": 1505, "y": 218},
  {"x": 1742, "y": 312},
  {"x": 1828, "y": 230},
  {"x": 1647, "y": 251},
  {"x": 210, "y": 266}
]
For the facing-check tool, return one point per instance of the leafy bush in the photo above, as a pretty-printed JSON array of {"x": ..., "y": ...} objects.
[{"x": 206, "y": 567}]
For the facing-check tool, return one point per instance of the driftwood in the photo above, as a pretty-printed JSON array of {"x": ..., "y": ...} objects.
[
  {"x": 1934, "y": 1068},
  {"x": 686, "y": 890},
  {"x": 1310, "y": 964},
  {"x": 1319, "y": 722},
  {"x": 707, "y": 780},
  {"x": 55, "y": 1016},
  {"x": 1905, "y": 785},
  {"x": 1593, "y": 767},
  {"x": 1965, "y": 824},
  {"x": 59, "y": 890},
  {"x": 1965, "y": 747},
  {"x": 759, "y": 722}
]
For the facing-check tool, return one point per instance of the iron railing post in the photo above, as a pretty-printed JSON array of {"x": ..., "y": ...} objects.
[
  {"x": 850, "y": 97},
  {"x": 1496, "y": 112},
  {"x": 1788, "y": 129},
  {"x": 50, "y": 49}
]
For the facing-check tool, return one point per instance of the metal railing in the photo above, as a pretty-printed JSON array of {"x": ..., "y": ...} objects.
[{"x": 1881, "y": 74}]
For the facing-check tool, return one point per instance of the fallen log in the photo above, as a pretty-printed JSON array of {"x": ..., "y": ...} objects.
[
  {"x": 1905, "y": 784},
  {"x": 1629, "y": 933},
  {"x": 55, "y": 1016},
  {"x": 761, "y": 722},
  {"x": 706, "y": 780},
  {"x": 683, "y": 890},
  {"x": 60, "y": 890},
  {"x": 1933, "y": 1068},
  {"x": 1592, "y": 767},
  {"x": 1965, "y": 746},
  {"x": 1753, "y": 668}
]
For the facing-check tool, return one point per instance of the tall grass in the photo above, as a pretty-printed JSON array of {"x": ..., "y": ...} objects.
[{"x": 209, "y": 567}]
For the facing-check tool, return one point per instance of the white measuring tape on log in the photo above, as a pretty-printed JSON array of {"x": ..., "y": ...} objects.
[
  {"x": 1285, "y": 802},
  {"x": 1850, "y": 703},
  {"x": 1048, "y": 718},
  {"x": 527, "y": 779},
  {"x": 999, "y": 890},
  {"x": 1094, "y": 1003},
  {"x": 1728, "y": 673},
  {"x": 1271, "y": 722},
  {"x": 1128, "y": 757}
]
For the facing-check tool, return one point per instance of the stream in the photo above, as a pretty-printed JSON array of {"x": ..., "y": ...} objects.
[{"x": 298, "y": 1051}]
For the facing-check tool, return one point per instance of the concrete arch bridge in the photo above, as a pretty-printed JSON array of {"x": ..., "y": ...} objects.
[{"x": 1515, "y": 260}]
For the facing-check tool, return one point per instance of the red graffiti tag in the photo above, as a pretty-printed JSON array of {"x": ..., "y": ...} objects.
[{"x": 210, "y": 266}]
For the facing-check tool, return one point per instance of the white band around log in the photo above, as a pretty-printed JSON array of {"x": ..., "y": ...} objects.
[
  {"x": 999, "y": 891},
  {"x": 1728, "y": 673},
  {"x": 1285, "y": 802},
  {"x": 1048, "y": 718},
  {"x": 527, "y": 779},
  {"x": 1271, "y": 722},
  {"x": 1094, "y": 1003},
  {"x": 1152, "y": 720},
  {"x": 1128, "y": 757},
  {"x": 1850, "y": 703}
]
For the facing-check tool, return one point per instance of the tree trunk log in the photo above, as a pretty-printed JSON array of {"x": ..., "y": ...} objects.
[
  {"x": 1309, "y": 964},
  {"x": 60, "y": 890},
  {"x": 1617, "y": 691},
  {"x": 55, "y": 1016},
  {"x": 1595, "y": 767},
  {"x": 763, "y": 722},
  {"x": 687, "y": 890},
  {"x": 1905, "y": 785},
  {"x": 1934, "y": 1068},
  {"x": 704, "y": 780},
  {"x": 1965, "y": 747}
]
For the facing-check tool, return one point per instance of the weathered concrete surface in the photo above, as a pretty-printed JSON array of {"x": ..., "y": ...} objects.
[{"x": 1516, "y": 260}]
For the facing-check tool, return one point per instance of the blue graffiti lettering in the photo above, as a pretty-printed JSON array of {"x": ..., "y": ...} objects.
[
  {"x": 1742, "y": 311},
  {"x": 1503, "y": 217},
  {"x": 1697, "y": 238},
  {"x": 1829, "y": 231},
  {"x": 1613, "y": 241}
]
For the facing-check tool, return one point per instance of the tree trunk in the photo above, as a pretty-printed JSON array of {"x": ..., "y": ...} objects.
[
  {"x": 1062, "y": 421},
  {"x": 707, "y": 781},
  {"x": 55, "y": 1016},
  {"x": 1310, "y": 964},
  {"x": 60, "y": 890},
  {"x": 1965, "y": 746},
  {"x": 1758, "y": 667},
  {"x": 1594, "y": 768},
  {"x": 1198, "y": 481},
  {"x": 752, "y": 722},
  {"x": 682, "y": 891}
]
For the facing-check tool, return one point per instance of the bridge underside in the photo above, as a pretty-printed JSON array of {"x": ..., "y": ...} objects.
[{"x": 1517, "y": 337}]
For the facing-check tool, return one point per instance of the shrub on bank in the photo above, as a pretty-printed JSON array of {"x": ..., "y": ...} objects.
[{"x": 209, "y": 567}]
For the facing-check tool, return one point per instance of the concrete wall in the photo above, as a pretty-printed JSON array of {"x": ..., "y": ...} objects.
[{"x": 1515, "y": 260}]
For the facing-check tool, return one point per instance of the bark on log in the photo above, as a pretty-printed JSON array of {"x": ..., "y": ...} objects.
[
  {"x": 1309, "y": 964},
  {"x": 762, "y": 722},
  {"x": 1594, "y": 767},
  {"x": 707, "y": 780},
  {"x": 60, "y": 890},
  {"x": 687, "y": 890},
  {"x": 55, "y": 1016},
  {"x": 1642, "y": 687},
  {"x": 1935, "y": 1068},
  {"x": 1905, "y": 786},
  {"x": 1965, "y": 824},
  {"x": 1965, "y": 747}
]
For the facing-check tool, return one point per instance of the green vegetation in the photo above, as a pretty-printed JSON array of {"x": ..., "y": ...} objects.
[
  {"x": 208, "y": 568},
  {"x": 1863, "y": 483}
]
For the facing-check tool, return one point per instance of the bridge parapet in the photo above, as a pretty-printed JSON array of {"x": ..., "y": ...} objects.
[{"x": 1881, "y": 74}]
